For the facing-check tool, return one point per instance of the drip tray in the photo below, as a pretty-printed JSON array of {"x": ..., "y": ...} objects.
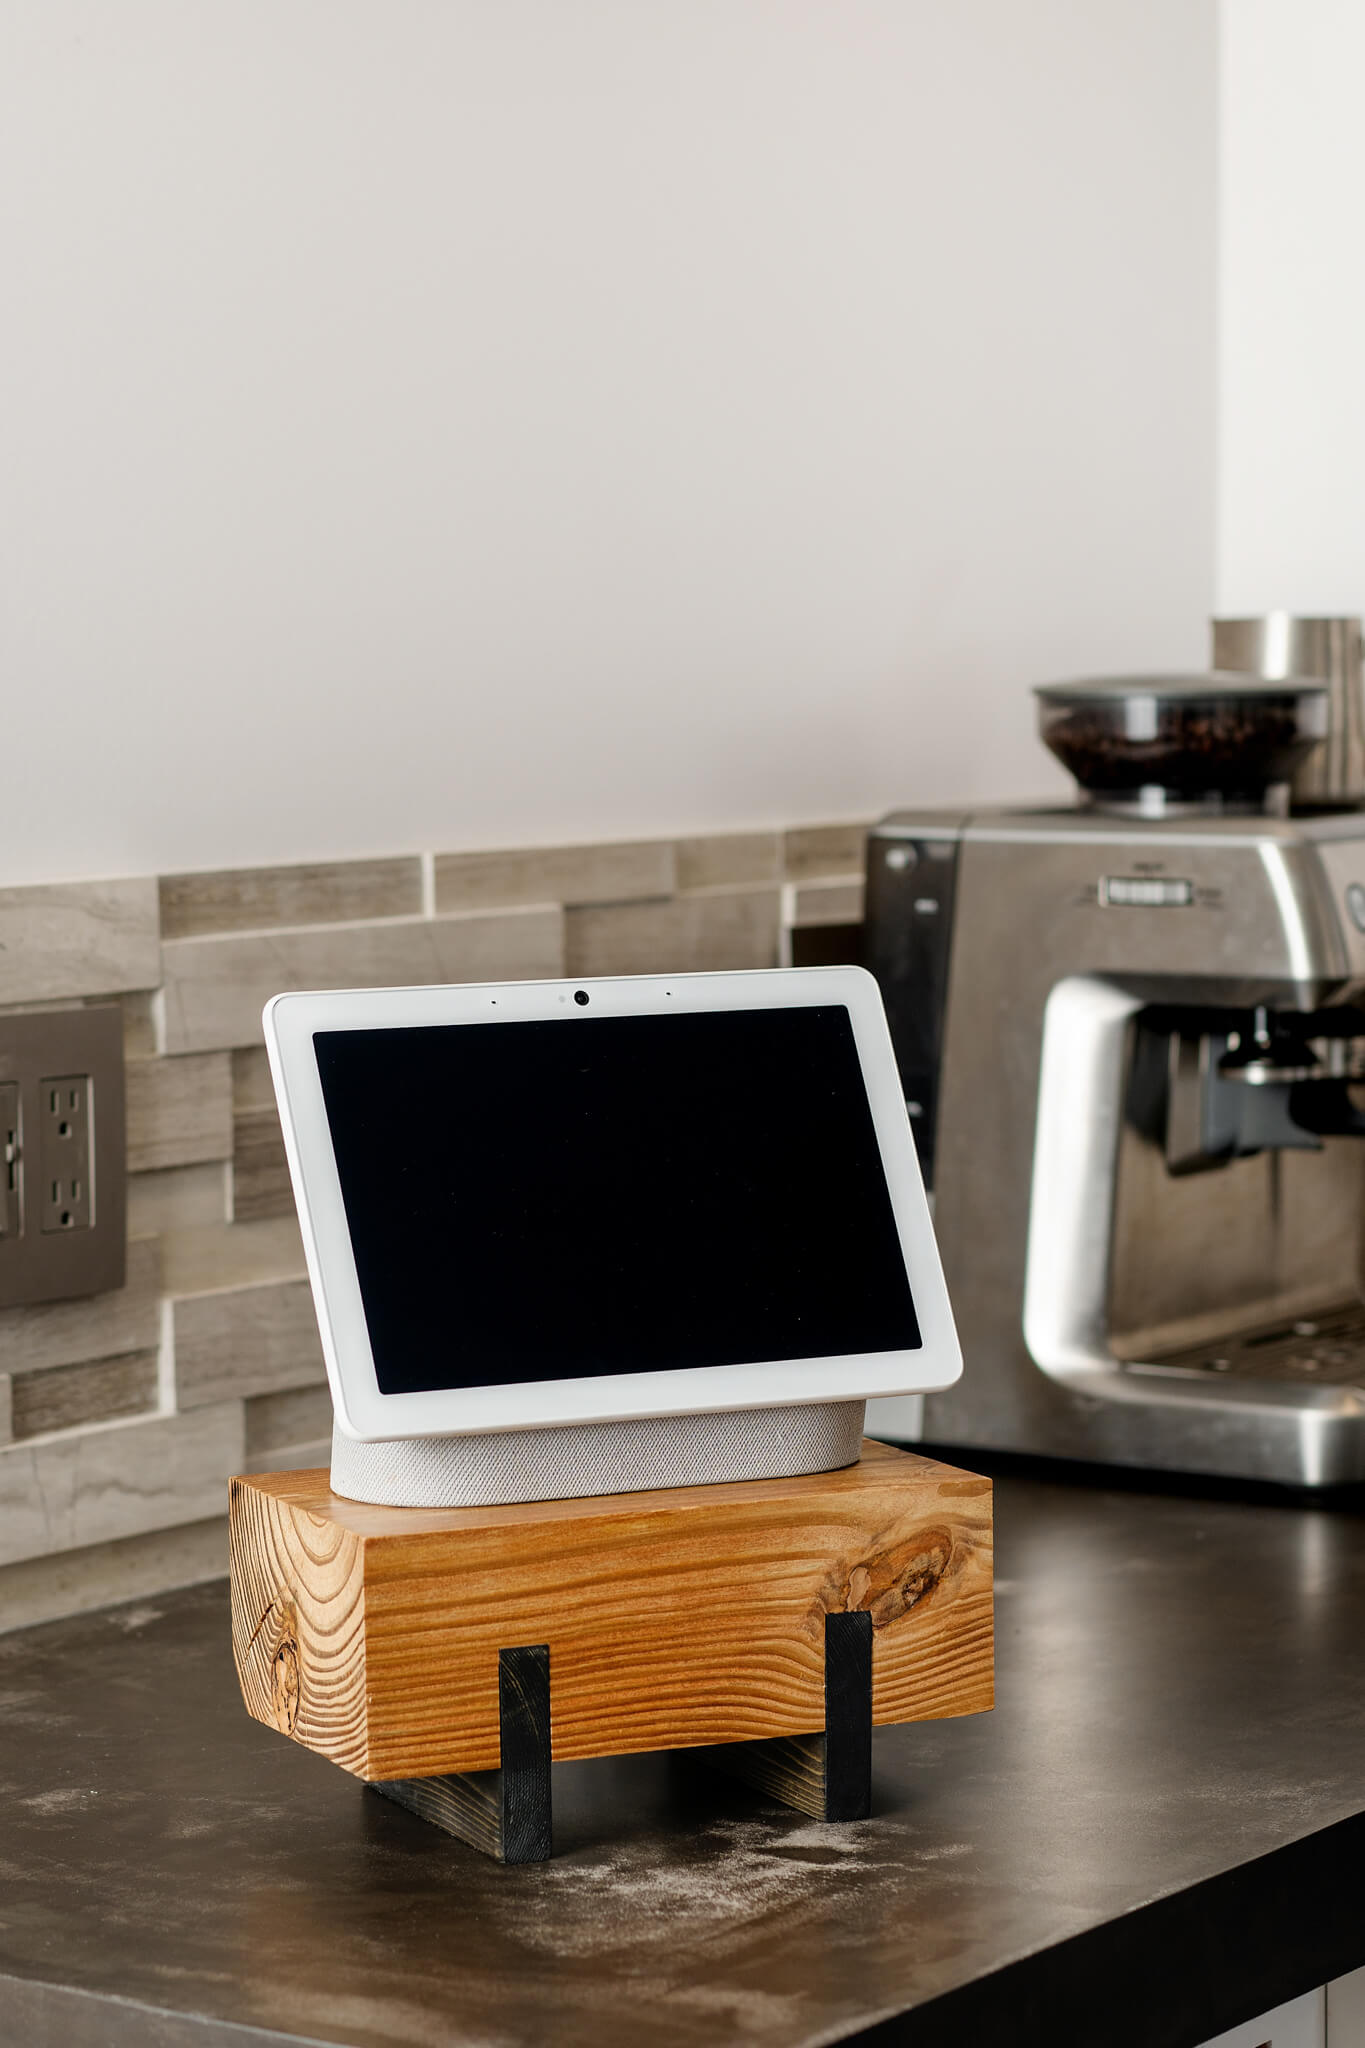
[{"x": 1325, "y": 1350}]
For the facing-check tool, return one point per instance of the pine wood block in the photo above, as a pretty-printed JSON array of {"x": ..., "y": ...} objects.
[
  {"x": 827, "y": 1774},
  {"x": 687, "y": 1617},
  {"x": 505, "y": 1813}
]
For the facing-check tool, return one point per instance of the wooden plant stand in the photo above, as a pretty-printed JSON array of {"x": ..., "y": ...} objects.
[{"x": 446, "y": 1656}]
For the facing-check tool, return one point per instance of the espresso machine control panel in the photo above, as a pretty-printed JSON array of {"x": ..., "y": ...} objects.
[{"x": 1146, "y": 892}]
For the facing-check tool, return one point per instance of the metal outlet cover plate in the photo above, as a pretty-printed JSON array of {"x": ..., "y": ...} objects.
[{"x": 64, "y": 1219}]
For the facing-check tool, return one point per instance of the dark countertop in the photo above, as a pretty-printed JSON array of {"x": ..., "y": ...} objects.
[{"x": 1158, "y": 1833}]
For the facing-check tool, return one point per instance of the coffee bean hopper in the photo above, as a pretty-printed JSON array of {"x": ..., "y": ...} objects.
[{"x": 1180, "y": 745}]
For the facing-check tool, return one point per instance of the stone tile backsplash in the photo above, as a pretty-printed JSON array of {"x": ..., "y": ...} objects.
[
  {"x": 247, "y": 899},
  {"x": 122, "y": 1416},
  {"x": 179, "y": 1110},
  {"x": 78, "y": 939},
  {"x": 245, "y": 1341},
  {"x": 214, "y": 989},
  {"x": 68, "y": 1396},
  {"x": 715, "y": 929},
  {"x": 555, "y": 874},
  {"x": 87, "y": 1486}
]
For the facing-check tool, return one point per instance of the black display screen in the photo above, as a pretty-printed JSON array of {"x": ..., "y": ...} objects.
[{"x": 570, "y": 1198}]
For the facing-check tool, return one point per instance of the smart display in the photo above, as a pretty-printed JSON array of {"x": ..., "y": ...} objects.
[
  {"x": 534, "y": 1204},
  {"x": 611, "y": 1195}
]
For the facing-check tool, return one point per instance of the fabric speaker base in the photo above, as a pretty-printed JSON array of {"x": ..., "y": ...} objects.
[{"x": 579, "y": 1460}]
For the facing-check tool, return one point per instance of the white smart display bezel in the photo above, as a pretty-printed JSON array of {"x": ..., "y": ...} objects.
[{"x": 364, "y": 1412}]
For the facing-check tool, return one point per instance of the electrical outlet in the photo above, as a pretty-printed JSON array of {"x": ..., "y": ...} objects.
[
  {"x": 64, "y": 1152},
  {"x": 9, "y": 1159}
]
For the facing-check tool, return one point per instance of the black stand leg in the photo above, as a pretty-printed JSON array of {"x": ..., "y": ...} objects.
[
  {"x": 848, "y": 1716},
  {"x": 505, "y": 1813},
  {"x": 829, "y": 1774},
  {"x": 524, "y": 1715}
]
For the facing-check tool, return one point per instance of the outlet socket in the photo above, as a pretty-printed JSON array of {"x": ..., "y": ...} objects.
[
  {"x": 62, "y": 1154},
  {"x": 65, "y": 1153}
]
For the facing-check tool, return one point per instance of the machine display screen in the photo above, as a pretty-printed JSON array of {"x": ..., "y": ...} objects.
[{"x": 564, "y": 1199}]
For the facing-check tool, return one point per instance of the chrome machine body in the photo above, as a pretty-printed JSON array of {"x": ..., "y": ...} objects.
[{"x": 1129, "y": 1050}]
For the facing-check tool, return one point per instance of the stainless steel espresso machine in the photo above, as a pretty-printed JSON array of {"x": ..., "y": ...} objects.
[{"x": 1130, "y": 1034}]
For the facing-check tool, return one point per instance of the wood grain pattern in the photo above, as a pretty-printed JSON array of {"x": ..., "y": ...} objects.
[
  {"x": 468, "y": 1805},
  {"x": 788, "y": 1768},
  {"x": 506, "y": 1813},
  {"x": 298, "y": 1624},
  {"x": 678, "y": 1618},
  {"x": 826, "y": 1774}
]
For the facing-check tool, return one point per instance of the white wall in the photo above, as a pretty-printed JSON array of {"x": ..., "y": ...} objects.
[
  {"x": 468, "y": 422},
  {"x": 1292, "y": 314}
]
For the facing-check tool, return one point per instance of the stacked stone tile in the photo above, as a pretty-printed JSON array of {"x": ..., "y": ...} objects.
[{"x": 122, "y": 1416}]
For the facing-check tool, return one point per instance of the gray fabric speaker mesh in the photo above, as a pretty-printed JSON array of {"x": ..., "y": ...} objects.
[{"x": 582, "y": 1459}]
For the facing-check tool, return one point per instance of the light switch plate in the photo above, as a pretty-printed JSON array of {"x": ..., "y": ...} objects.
[{"x": 63, "y": 1191}]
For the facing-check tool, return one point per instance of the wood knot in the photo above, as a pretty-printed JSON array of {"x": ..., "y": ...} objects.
[
  {"x": 895, "y": 1580},
  {"x": 284, "y": 1684}
]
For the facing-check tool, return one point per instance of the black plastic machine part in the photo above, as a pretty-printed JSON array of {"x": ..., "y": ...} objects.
[
  {"x": 907, "y": 941},
  {"x": 1262, "y": 1086}
]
